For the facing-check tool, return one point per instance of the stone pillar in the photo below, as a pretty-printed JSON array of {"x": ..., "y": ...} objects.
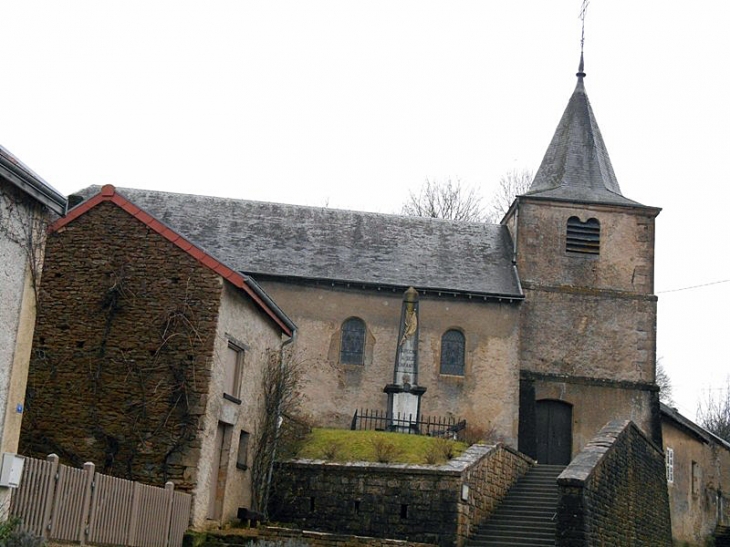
[{"x": 404, "y": 394}]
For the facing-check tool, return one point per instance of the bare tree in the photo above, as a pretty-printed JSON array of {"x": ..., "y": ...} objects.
[
  {"x": 664, "y": 382},
  {"x": 511, "y": 184},
  {"x": 280, "y": 392},
  {"x": 449, "y": 200},
  {"x": 714, "y": 412}
]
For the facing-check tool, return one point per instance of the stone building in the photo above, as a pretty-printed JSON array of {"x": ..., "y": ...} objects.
[
  {"x": 149, "y": 356},
  {"x": 27, "y": 205},
  {"x": 698, "y": 479},
  {"x": 537, "y": 330}
]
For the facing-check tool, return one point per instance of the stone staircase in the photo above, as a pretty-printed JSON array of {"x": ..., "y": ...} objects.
[{"x": 526, "y": 515}]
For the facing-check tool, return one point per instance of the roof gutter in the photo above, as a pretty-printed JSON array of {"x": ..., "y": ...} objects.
[
  {"x": 25, "y": 179},
  {"x": 256, "y": 288}
]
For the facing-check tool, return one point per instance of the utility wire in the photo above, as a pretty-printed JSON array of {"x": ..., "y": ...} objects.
[{"x": 695, "y": 286}]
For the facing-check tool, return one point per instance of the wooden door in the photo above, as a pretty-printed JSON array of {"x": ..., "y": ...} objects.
[{"x": 554, "y": 424}]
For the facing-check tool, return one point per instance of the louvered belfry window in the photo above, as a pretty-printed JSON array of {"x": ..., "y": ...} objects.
[
  {"x": 352, "y": 343},
  {"x": 583, "y": 237}
]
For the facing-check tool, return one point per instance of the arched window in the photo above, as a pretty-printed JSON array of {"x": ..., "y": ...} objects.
[
  {"x": 583, "y": 237},
  {"x": 452, "y": 353},
  {"x": 352, "y": 343}
]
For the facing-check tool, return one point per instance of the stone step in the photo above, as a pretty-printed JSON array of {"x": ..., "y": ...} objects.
[{"x": 526, "y": 516}]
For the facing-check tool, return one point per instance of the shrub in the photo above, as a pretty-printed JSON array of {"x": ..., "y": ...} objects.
[
  {"x": 385, "y": 451},
  {"x": 332, "y": 451},
  {"x": 11, "y": 535},
  {"x": 474, "y": 434},
  {"x": 440, "y": 451}
]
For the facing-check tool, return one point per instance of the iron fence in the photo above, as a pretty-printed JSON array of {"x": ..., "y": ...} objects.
[{"x": 418, "y": 425}]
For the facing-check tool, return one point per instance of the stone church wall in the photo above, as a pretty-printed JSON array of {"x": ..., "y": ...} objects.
[
  {"x": 122, "y": 351},
  {"x": 626, "y": 259},
  {"x": 614, "y": 493},
  {"x": 485, "y": 395},
  {"x": 429, "y": 504},
  {"x": 594, "y": 402},
  {"x": 601, "y": 307}
]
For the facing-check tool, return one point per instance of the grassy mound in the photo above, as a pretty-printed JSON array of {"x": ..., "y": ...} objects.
[{"x": 376, "y": 446}]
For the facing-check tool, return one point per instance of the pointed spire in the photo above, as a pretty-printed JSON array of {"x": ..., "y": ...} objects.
[
  {"x": 580, "y": 72},
  {"x": 576, "y": 166}
]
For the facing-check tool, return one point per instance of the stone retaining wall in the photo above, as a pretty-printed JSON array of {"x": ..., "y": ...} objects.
[
  {"x": 424, "y": 503},
  {"x": 324, "y": 539},
  {"x": 614, "y": 492}
]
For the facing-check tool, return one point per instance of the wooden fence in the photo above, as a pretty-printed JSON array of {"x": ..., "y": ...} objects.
[
  {"x": 62, "y": 503},
  {"x": 421, "y": 425}
]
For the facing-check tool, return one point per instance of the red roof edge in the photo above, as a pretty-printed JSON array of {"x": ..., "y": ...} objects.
[{"x": 108, "y": 193}]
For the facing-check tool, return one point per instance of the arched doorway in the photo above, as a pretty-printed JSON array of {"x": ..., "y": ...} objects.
[{"x": 554, "y": 425}]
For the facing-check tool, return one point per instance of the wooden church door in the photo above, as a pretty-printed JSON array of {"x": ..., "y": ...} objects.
[{"x": 554, "y": 424}]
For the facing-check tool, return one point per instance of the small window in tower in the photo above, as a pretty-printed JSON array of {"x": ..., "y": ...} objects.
[
  {"x": 352, "y": 343},
  {"x": 452, "y": 353},
  {"x": 583, "y": 237}
]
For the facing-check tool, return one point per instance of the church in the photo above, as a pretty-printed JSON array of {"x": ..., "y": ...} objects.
[{"x": 536, "y": 331}]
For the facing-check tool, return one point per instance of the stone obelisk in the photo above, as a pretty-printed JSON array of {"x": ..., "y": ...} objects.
[{"x": 404, "y": 394}]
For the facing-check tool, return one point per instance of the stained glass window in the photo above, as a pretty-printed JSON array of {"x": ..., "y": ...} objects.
[
  {"x": 452, "y": 353},
  {"x": 352, "y": 344}
]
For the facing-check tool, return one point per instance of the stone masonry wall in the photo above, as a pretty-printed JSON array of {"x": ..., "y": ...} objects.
[
  {"x": 422, "y": 503},
  {"x": 615, "y": 493},
  {"x": 323, "y": 539},
  {"x": 122, "y": 350}
]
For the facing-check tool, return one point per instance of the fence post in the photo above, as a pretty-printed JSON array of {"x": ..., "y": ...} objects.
[
  {"x": 170, "y": 491},
  {"x": 50, "y": 495},
  {"x": 134, "y": 515},
  {"x": 88, "y": 486}
]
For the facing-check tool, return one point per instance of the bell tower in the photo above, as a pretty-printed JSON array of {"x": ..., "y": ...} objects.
[{"x": 585, "y": 256}]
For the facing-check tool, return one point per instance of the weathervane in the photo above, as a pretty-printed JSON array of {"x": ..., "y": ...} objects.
[{"x": 583, "y": 8}]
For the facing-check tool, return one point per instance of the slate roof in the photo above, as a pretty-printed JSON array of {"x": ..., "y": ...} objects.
[
  {"x": 109, "y": 194},
  {"x": 342, "y": 247},
  {"x": 576, "y": 166},
  {"x": 21, "y": 176},
  {"x": 687, "y": 424}
]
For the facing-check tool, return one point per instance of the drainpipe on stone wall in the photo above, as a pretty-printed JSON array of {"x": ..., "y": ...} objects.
[
  {"x": 517, "y": 227},
  {"x": 265, "y": 508}
]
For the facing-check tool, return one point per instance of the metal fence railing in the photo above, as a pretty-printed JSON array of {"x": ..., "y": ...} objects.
[
  {"x": 66, "y": 504},
  {"x": 417, "y": 425}
]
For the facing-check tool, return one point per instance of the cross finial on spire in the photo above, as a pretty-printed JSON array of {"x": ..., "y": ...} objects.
[{"x": 583, "y": 8}]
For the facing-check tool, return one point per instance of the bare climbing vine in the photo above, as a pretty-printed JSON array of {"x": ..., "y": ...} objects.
[{"x": 25, "y": 222}]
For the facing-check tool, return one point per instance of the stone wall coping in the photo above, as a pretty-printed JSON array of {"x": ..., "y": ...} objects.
[
  {"x": 470, "y": 457},
  {"x": 274, "y": 531},
  {"x": 584, "y": 464}
]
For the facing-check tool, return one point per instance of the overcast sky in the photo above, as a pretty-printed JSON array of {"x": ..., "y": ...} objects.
[{"x": 353, "y": 104}]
